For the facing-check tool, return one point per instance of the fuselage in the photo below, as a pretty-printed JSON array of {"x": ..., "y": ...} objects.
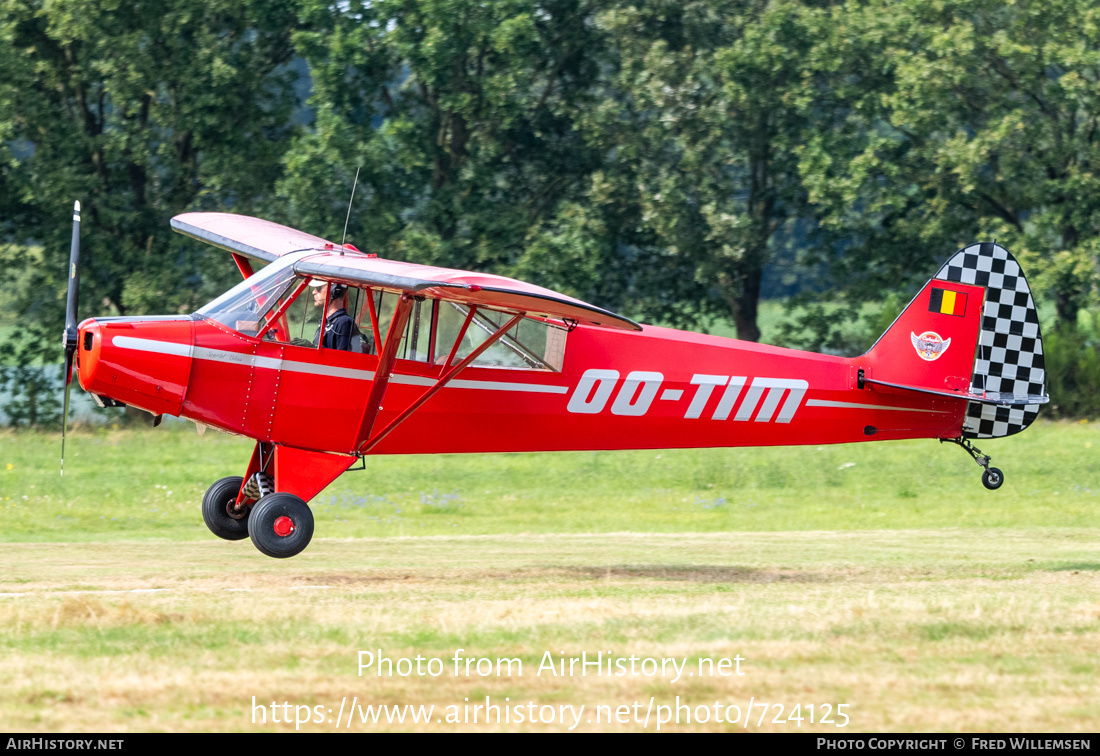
[{"x": 657, "y": 388}]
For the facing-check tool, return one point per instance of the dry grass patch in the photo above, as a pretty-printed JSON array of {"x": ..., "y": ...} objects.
[{"x": 919, "y": 630}]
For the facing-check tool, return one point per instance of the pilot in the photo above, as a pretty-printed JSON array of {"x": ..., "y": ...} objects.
[{"x": 340, "y": 330}]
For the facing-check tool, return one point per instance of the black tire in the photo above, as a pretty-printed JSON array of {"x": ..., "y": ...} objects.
[
  {"x": 281, "y": 525},
  {"x": 215, "y": 510},
  {"x": 992, "y": 478}
]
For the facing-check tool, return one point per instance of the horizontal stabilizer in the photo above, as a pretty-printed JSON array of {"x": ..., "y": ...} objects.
[{"x": 999, "y": 399}]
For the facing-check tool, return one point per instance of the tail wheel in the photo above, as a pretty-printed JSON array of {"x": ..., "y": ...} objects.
[
  {"x": 280, "y": 525},
  {"x": 220, "y": 514},
  {"x": 992, "y": 478}
]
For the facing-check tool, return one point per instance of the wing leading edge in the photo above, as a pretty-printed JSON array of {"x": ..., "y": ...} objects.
[{"x": 252, "y": 237}]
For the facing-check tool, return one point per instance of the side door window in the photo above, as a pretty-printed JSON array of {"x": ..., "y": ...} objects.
[
  {"x": 431, "y": 331},
  {"x": 416, "y": 342},
  {"x": 301, "y": 321},
  {"x": 296, "y": 318},
  {"x": 528, "y": 345},
  {"x": 359, "y": 310}
]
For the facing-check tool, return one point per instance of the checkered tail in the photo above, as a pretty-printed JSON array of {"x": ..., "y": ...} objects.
[{"x": 1009, "y": 359}]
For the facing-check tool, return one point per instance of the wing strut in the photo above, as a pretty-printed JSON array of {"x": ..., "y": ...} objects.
[
  {"x": 243, "y": 265},
  {"x": 386, "y": 358},
  {"x": 366, "y": 447},
  {"x": 373, "y": 319}
]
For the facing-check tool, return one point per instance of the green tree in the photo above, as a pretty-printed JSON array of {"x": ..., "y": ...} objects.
[
  {"x": 140, "y": 110},
  {"x": 476, "y": 128},
  {"x": 714, "y": 100},
  {"x": 968, "y": 120},
  {"x": 461, "y": 114}
]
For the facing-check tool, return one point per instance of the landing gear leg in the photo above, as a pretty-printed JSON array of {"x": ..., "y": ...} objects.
[{"x": 992, "y": 478}]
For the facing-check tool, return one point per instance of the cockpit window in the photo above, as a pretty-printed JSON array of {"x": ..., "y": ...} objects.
[
  {"x": 530, "y": 344},
  {"x": 243, "y": 307},
  {"x": 431, "y": 331}
]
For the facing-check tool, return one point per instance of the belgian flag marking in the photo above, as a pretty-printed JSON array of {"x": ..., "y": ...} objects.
[{"x": 947, "y": 302}]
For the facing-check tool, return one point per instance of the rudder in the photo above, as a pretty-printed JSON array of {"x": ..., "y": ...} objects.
[{"x": 1009, "y": 359}]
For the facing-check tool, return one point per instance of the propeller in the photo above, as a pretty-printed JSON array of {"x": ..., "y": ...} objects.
[{"x": 69, "y": 337}]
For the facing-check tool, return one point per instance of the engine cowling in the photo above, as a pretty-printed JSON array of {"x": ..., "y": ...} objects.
[{"x": 142, "y": 362}]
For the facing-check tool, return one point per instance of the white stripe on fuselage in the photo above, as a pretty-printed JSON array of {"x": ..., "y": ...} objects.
[
  {"x": 416, "y": 380},
  {"x": 853, "y": 405},
  {"x": 148, "y": 345},
  {"x": 272, "y": 363}
]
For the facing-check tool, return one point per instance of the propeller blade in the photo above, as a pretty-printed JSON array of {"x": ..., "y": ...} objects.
[
  {"x": 69, "y": 337},
  {"x": 73, "y": 297},
  {"x": 65, "y": 412}
]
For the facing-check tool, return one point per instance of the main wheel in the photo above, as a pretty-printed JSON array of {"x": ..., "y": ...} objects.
[
  {"x": 280, "y": 525},
  {"x": 218, "y": 512},
  {"x": 992, "y": 478}
]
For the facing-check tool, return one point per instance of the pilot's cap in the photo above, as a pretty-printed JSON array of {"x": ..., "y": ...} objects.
[{"x": 338, "y": 289}]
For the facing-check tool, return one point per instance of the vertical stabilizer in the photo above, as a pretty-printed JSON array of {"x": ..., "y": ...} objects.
[{"x": 931, "y": 345}]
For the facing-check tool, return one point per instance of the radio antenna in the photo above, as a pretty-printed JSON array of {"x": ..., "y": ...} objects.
[{"x": 352, "y": 199}]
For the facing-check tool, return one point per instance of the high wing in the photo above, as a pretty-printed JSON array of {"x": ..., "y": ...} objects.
[
  {"x": 264, "y": 240},
  {"x": 465, "y": 287},
  {"x": 252, "y": 237}
]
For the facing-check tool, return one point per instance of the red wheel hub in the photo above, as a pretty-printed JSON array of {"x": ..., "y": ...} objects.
[{"x": 284, "y": 526}]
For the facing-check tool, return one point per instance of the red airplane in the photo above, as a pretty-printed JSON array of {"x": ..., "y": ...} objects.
[{"x": 443, "y": 361}]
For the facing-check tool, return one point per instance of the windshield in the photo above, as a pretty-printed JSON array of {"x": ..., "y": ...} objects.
[{"x": 242, "y": 308}]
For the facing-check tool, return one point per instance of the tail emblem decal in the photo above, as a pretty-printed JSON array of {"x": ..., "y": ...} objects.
[{"x": 929, "y": 345}]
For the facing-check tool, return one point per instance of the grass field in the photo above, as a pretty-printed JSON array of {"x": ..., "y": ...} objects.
[
  {"x": 144, "y": 484},
  {"x": 881, "y": 576}
]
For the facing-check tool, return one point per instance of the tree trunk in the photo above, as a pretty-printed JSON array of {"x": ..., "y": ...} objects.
[{"x": 744, "y": 300}]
